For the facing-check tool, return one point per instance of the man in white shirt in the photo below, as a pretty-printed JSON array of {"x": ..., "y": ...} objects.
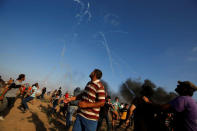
[{"x": 31, "y": 97}]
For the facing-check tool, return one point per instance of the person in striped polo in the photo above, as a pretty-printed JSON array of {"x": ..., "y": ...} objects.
[{"x": 92, "y": 98}]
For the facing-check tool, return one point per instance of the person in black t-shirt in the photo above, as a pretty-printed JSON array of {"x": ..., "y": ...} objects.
[
  {"x": 104, "y": 114},
  {"x": 143, "y": 112},
  {"x": 123, "y": 115},
  {"x": 43, "y": 92},
  {"x": 60, "y": 92}
]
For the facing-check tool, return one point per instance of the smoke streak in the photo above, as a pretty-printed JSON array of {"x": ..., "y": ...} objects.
[
  {"x": 104, "y": 42},
  {"x": 63, "y": 50},
  {"x": 45, "y": 81},
  {"x": 129, "y": 89},
  {"x": 84, "y": 11},
  {"x": 123, "y": 62}
]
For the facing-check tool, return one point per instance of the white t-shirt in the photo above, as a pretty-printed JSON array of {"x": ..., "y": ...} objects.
[{"x": 35, "y": 91}]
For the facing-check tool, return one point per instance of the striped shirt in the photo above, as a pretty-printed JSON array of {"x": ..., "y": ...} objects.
[{"x": 94, "y": 92}]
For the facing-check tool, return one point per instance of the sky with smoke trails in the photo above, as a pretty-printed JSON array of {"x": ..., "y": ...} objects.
[{"x": 59, "y": 41}]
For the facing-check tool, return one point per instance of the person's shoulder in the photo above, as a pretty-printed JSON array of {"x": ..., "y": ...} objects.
[
  {"x": 17, "y": 82},
  {"x": 178, "y": 98},
  {"x": 34, "y": 88},
  {"x": 189, "y": 99},
  {"x": 136, "y": 100}
]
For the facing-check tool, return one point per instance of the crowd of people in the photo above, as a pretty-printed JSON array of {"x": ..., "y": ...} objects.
[{"x": 93, "y": 104}]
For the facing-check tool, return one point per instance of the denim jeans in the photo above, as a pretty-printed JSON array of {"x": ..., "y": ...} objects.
[
  {"x": 83, "y": 124},
  {"x": 70, "y": 111},
  {"x": 25, "y": 100}
]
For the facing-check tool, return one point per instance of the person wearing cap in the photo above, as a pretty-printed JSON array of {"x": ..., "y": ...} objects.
[{"x": 184, "y": 107}]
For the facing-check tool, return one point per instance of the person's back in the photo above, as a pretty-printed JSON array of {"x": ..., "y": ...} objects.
[
  {"x": 44, "y": 90},
  {"x": 143, "y": 115},
  {"x": 186, "y": 113}
]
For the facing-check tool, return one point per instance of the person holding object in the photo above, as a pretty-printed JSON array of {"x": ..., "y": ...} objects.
[
  {"x": 184, "y": 107},
  {"x": 92, "y": 98}
]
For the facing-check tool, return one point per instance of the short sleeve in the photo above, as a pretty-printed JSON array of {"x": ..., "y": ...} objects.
[{"x": 178, "y": 104}]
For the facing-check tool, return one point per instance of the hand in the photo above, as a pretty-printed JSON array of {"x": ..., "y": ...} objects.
[
  {"x": 83, "y": 104},
  {"x": 146, "y": 99},
  {"x": 67, "y": 100},
  {"x": 10, "y": 82},
  {"x": 1, "y": 98},
  {"x": 127, "y": 122}
]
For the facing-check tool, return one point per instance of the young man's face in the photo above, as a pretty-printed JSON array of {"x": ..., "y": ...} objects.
[
  {"x": 117, "y": 100},
  {"x": 127, "y": 106},
  {"x": 108, "y": 100},
  {"x": 92, "y": 75},
  {"x": 23, "y": 78}
]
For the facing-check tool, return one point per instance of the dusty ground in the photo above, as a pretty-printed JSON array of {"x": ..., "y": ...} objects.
[{"x": 38, "y": 118}]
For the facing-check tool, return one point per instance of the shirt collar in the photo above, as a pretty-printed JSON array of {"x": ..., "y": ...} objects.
[{"x": 96, "y": 81}]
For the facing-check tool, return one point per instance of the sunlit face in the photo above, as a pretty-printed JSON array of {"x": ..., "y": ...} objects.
[
  {"x": 117, "y": 100},
  {"x": 23, "y": 78},
  {"x": 92, "y": 75},
  {"x": 109, "y": 100}
]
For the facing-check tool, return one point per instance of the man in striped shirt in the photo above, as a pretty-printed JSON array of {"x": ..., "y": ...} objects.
[{"x": 91, "y": 100}]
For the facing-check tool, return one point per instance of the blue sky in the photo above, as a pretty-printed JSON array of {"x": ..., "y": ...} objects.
[{"x": 59, "y": 42}]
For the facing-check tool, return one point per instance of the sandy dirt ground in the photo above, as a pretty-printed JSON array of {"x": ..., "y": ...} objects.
[{"x": 39, "y": 118}]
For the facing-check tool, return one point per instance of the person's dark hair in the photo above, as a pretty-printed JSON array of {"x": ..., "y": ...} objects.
[
  {"x": 36, "y": 84},
  {"x": 21, "y": 76},
  {"x": 108, "y": 97},
  {"x": 98, "y": 73},
  {"x": 147, "y": 91},
  {"x": 126, "y": 104},
  {"x": 116, "y": 98},
  {"x": 185, "y": 91}
]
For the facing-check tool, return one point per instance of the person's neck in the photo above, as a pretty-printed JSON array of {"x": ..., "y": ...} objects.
[
  {"x": 94, "y": 79},
  {"x": 20, "y": 80}
]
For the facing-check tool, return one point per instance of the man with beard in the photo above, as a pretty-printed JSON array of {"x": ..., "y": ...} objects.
[
  {"x": 184, "y": 107},
  {"x": 92, "y": 99}
]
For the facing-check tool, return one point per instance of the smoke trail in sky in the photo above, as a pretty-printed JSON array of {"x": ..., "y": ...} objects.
[
  {"x": 84, "y": 11},
  {"x": 123, "y": 62},
  {"x": 104, "y": 42},
  {"x": 129, "y": 89},
  {"x": 45, "y": 81},
  {"x": 63, "y": 50}
]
